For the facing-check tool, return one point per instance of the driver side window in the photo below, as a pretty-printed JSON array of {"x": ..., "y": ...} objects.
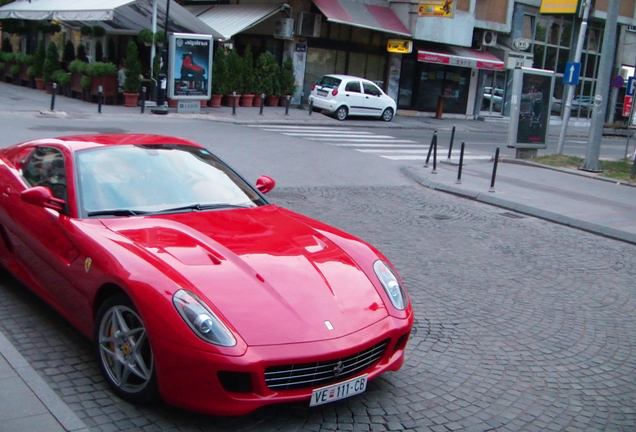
[{"x": 46, "y": 167}]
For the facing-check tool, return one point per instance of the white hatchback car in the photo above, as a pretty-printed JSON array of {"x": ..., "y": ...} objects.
[{"x": 344, "y": 95}]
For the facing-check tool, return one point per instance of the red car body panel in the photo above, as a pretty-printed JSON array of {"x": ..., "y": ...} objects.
[{"x": 273, "y": 276}]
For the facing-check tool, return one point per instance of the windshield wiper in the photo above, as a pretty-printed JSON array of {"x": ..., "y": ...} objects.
[
  {"x": 199, "y": 207},
  {"x": 117, "y": 212}
]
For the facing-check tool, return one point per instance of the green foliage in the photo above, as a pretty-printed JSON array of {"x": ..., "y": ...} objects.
[
  {"x": 7, "y": 57},
  {"x": 69, "y": 52},
  {"x": 6, "y": 44},
  {"x": 61, "y": 77},
  {"x": 265, "y": 71},
  {"x": 86, "y": 30},
  {"x": 30, "y": 72},
  {"x": 234, "y": 72},
  {"x": 145, "y": 36},
  {"x": 287, "y": 78},
  {"x": 51, "y": 62},
  {"x": 15, "y": 69},
  {"x": 99, "y": 31},
  {"x": 78, "y": 66},
  {"x": 98, "y": 69},
  {"x": 86, "y": 81},
  {"x": 160, "y": 37},
  {"x": 1, "y": 65},
  {"x": 24, "y": 59},
  {"x": 133, "y": 68},
  {"x": 248, "y": 77},
  {"x": 38, "y": 60},
  {"x": 81, "y": 53},
  {"x": 219, "y": 72},
  {"x": 99, "y": 51}
]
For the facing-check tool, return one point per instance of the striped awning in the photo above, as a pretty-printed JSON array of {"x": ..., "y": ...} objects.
[{"x": 379, "y": 18}]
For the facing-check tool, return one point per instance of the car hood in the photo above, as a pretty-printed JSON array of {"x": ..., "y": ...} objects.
[{"x": 275, "y": 279}]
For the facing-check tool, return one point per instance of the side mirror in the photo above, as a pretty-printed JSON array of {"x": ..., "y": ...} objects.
[
  {"x": 42, "y": 197},
  {"x": 265, "y": 184}
]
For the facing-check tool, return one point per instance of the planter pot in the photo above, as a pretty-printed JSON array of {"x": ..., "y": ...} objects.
[
  {"x": 257, "y": 100},
  {"x": 24, "y": 77},
  {"x": 40, "y": 84},
  {"x": 109, "y": 86},
  {"x": 282, "y": 101},
  {"x": 247, "y": 100},
  {"x": 215, "y": 101},
  {"x": 172, "y": 103},
  {"x": 130, "y": 99},
  {"x": 272, "y": 100},
  {"x": 230, "y": 97},
  {"x": 48, "y": 87},
  {"x": 76, "y": 84}
]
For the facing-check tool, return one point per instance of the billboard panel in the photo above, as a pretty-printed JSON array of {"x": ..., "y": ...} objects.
[{"x": 190, "y": 66}]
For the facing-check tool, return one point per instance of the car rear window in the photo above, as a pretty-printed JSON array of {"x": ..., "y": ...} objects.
[{"x": 330, "y": 82}]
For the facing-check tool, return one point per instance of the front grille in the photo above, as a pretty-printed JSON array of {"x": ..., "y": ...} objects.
[{"x": 317, "y": 374}]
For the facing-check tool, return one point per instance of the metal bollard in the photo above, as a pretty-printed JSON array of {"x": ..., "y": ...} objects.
[
  {"x": 288, "y": 97},
  {"x": 461, "y": 164},
  {"x": 450, "y": 147},
  {"x": 262, "y": 103},
  {"x": 632, "y": 173},
  {"x": 99, "y": 99},
  {"x": 53, "y": 91},
  {"x": 494, "y": 171},
  {"x": 311, "y": 106},
  {"x": 233, "y": 103},
  {"x": 143, "y": 99},
  {"x": 434, "y": 155},
  {"x": 430, "y": 150},
  {"x": 302, "y": 95}
]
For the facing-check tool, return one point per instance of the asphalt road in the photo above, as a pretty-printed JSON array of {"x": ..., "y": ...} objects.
[{"x": 520, "y": 324}]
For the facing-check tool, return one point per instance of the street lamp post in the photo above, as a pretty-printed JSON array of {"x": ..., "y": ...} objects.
[{"x": 161, "y": 107}]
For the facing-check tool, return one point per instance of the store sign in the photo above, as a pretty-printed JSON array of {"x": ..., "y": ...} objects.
[
  {"x": 401, "y": 46},
  {"x": 521, "y": 44},
  {"x": 190, "y": 64},
  {"x": 559, "y": 6},
  {"x": 454, "y": 60},
  {"x": 437, "y": 8},
  {"x": 515, "y": 60}
]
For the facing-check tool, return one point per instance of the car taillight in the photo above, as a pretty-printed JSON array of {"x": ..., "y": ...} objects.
[
  {"x": 334, "y": 92},
  {"x": 313, "y": 87}
]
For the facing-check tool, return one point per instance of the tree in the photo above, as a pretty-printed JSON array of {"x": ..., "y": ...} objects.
[
  {"x": 265, "y": 72},
  {"x": 248, "y": 77},
  {"x": 133, "y": 69},
  {"x": 38, "y": 60},
  {"x": 219, "y": 72},
  {"x": 81, "y": 53},
  {"x": 287, "y": 78},
  {"x": 69, "y": 52},
  {"x": 51, "y": 62},
  {"x": 234, "y": 72}
]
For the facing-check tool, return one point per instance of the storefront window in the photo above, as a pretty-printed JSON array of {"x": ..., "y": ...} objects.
[
  {"x": 357, "y": 64},
  {"x": 436, "y": 81}
]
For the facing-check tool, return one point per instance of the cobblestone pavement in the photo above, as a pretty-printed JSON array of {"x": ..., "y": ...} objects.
[{"x": 521, "y": 324}]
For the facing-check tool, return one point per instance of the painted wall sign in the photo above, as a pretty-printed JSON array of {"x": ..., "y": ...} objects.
[
  {"x": 437, "y": 8},
  {"x": 401, "y": 46},
  {"x": 559, "y": 6}
]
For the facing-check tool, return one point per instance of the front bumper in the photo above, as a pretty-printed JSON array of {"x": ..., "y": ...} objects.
[{"x": 189, "y": 378}]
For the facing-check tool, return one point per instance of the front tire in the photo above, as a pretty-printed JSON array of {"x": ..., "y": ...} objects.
[
  {"x": 387, "y": 115},
  {"x": 342, "y": 112},
  {"x": 123, "y": 351}
]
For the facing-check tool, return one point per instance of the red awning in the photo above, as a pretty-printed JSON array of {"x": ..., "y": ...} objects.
[
  {"x": 379, "y": 18},
  {"x": 463, "y": 57}
]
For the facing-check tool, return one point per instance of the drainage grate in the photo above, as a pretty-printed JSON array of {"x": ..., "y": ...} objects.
[{"x": 512, "y": 215}]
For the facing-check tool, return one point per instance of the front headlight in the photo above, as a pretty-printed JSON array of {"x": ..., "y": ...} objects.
[
  {"x": 391, "y": 284},
  {"x": 203, "y": 322}
]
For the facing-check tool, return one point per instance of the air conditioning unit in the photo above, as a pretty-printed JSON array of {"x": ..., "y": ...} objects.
[
  {"x": 284, "y": 28},
  {"x": 489, "y": 38},
  {"x": 309, "y": 24}
]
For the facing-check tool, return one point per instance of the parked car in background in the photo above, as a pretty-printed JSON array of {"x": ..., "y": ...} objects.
[
  {"x": 494, "y": 97},
  {"x": 345, "y": 95}
]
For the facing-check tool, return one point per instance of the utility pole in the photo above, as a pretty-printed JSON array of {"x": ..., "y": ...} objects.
[
  {"x": 591, "y": 162},
  {"x": 161, "y": 107},
  {"x": 570, "y": 88}
]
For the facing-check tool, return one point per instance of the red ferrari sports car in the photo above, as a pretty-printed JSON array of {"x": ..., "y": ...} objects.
[{"x": 192, "y": 285}]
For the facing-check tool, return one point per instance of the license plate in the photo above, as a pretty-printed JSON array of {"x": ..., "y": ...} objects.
[
  {"x": 323, "y": 92},
  {"x": 338, "y": 391}
]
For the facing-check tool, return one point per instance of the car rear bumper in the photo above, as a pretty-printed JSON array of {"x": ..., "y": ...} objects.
[
  {"x": 223, "y": 385},
  {"x": 323, "y": 103}
]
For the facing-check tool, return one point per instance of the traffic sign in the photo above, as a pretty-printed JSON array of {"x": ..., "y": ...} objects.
[
  {"x": 572, "y": 72},
  {"x": 627, "y": 105},
  {"x": 631, "y": 83},
  {"x": 618, "y": 81}
]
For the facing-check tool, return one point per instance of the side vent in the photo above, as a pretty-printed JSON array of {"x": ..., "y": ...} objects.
[
  {"x": 309, "y": 24},
  {"x": 489, "y": 38},
  {"x": 284, "y": 28}
]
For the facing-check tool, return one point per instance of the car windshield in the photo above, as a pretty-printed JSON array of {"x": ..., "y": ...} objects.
[
  {"x": 130, "y": 180},
  {"x": 331, "y": 82}
]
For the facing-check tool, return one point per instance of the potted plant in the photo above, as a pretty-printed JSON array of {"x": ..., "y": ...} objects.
[
  {"x": 104, "y": 75},
  {"x": 7, "y": 59},
  {"x": 248, "y": 81},
  {"x": 287, "y": 80},
  {"x": 77, "y": 69},
  {"x": 267, "y": 71},
  {"x": 25, "y": 61},
  {"x": 145, "y": 37},
  {"x": 38, "y": 66},
  {"x": 133, "y": 69},
  {"x": 99, "y": 31},
  {"x": 63, "y": 79},
  {"x": 51, "y": 64},
  {"x": 234, "y": 77},
  {"x": 15, "y": 73},
  {"x": 81, "y": 53},
  {"x": 68, "y": 55},
  {"x": 86, "y": 30},
  {"x": 159, "y": 38},
  {"x": 219, "y": 77}
]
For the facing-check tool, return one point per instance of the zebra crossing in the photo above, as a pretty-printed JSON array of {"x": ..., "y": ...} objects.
[{"x": 385, "y": 146}]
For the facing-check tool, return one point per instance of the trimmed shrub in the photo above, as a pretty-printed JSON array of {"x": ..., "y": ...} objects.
[
  {"x": 219, "y": 72},
  {"x": 51, "y": 62},
  {"x": 133, "y": 68},
  {"x": 69, "y": 52}
]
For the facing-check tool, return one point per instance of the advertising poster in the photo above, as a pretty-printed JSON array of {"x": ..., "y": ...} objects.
[
  {"x": 190, "y": 66},
  {"x": 530, "y": 108},
  {"x": 436, "y": 8}
]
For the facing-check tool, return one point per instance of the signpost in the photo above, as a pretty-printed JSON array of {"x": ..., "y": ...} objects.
[{"x": 572, "y": 73}]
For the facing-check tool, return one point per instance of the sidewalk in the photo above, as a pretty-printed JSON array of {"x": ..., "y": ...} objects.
[{"x": 569, "y": 197}]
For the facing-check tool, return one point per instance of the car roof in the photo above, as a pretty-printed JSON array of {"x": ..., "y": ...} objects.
[
  {"x": 348, "y": 77},
  {"x": 77, "y": 142}
]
